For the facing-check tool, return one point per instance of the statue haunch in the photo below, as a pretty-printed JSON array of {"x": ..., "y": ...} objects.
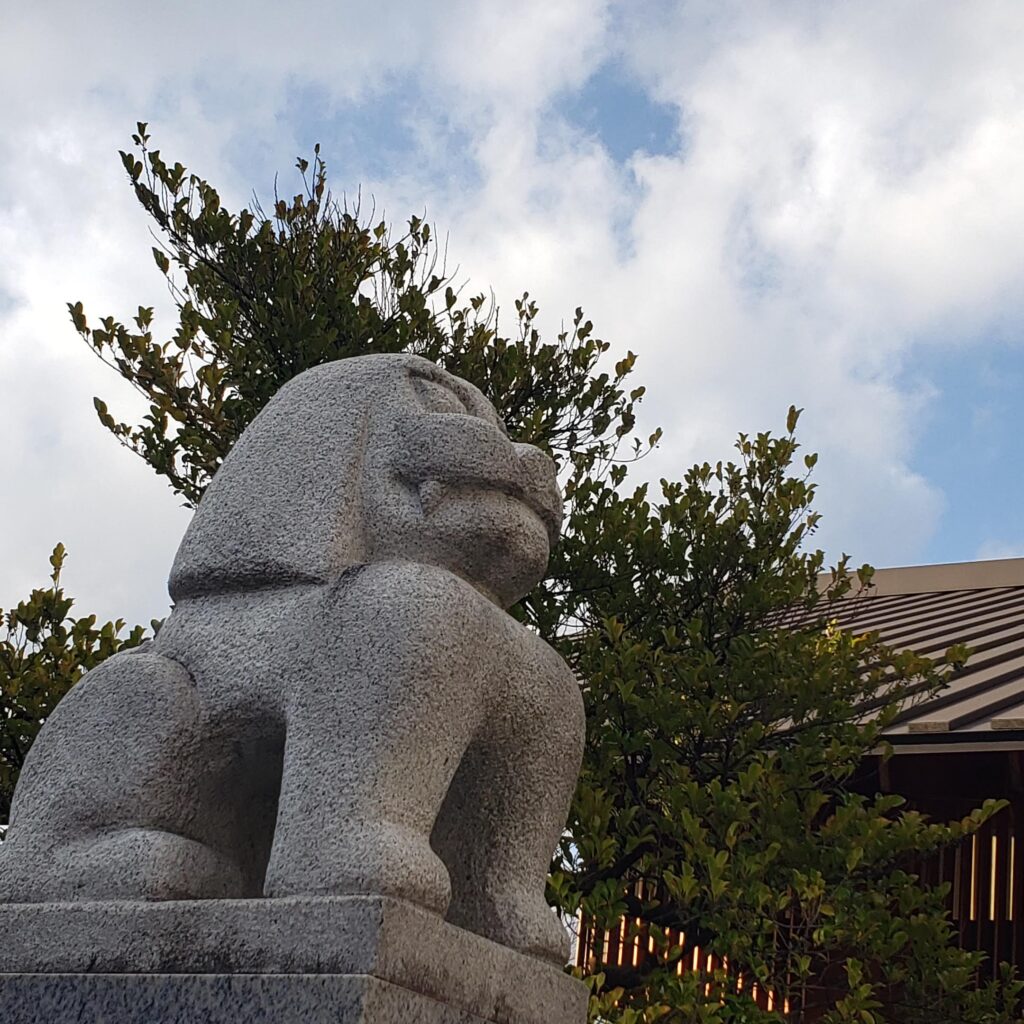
[{"x": 338, "y": 702}]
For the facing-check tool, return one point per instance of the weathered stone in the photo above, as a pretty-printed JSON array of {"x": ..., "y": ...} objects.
[
  {"x": 200, "y": 955},
  {"x": 338, "y": 703},
  {"x": 219, "y": 999}
]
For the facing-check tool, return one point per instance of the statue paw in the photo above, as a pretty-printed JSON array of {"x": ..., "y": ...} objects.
[
  {"x": 520, "y": 921},
  {"x": 150, "y": 864},
  {"x": 373, "y": 859}
]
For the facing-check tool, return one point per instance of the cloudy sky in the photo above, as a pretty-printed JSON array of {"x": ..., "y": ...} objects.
[{"x": 810, "y": 203}]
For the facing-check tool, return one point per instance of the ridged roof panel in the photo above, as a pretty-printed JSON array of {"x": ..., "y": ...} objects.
[{"x": 929, "y": 609}]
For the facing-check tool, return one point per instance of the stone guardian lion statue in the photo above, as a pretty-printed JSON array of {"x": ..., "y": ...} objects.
[{"x": 338, "y": 702}]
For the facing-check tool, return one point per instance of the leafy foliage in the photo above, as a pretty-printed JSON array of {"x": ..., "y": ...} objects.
[
  {"x": 727, "y": 719},
  {"x": 43, "y": 653}
]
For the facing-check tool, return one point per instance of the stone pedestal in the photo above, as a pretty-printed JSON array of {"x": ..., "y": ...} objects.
[{"x": 343, "y": 960}]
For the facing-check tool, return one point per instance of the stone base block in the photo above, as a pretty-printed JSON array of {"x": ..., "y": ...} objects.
[
  {"x": 218, "y": 999},
  {"x": 343, "y": 960}
]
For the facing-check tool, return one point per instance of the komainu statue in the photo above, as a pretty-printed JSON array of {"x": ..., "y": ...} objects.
[{"x": 338, "y": 702}]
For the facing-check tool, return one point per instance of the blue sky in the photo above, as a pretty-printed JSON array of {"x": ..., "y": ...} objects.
[
  {"x": 816, "y": 204},
  {"x": 970, "y": 449},
  {"x": 613, "y": 107}
]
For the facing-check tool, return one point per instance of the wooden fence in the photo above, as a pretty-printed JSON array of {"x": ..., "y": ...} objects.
[
  {"x": 985, "y": 875},
  {"x": 631, "y": 945}
]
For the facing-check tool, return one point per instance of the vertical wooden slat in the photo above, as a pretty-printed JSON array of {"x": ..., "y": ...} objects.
[
  {"x": 983, "y": 888},
  {"x": 611, "y": 946},
  {"x": 947, "y": 872},
  {"x": 963, "y": 882},
  {"x": 1016, "y": 896},
  {"x": 954, "y": 873},
  {"x": 1002, "y": 938}
]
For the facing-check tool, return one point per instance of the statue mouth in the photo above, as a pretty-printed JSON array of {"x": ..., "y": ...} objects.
[
  {"x": 433, "y": 493},
  {"x": 550, "y": 518}
]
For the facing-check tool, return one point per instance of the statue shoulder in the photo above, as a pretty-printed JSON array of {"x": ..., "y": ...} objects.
[
  {"x": 549, "y": 661},
  {"x": 426, "y": 608},
  {"x": 410, "y": 595}
]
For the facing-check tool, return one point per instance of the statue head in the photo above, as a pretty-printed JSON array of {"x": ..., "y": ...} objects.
[{"x": 374, "y": 458}]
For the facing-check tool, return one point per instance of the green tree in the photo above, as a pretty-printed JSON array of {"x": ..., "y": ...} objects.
[
  {"x": 262, "y": 296},
  {"x": 43, "y": 653},
  {"x": 725, "y": 715},
  {"x": 726, "y": 720}
]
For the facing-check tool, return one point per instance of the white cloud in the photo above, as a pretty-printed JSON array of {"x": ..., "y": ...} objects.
[{"x": 848, "y": 190}]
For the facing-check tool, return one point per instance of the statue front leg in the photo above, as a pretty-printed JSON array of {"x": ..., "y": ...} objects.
[
  {"x": 376, "y": 725},
  {"x": 506, "y": 810}
]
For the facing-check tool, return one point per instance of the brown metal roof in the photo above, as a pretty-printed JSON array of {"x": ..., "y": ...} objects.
[{"x": 929, "y": 608}]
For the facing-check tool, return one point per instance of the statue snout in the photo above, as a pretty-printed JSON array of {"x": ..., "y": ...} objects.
[{"x": 538, "y": 486}]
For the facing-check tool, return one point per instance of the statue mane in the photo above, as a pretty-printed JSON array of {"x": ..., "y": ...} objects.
[{"x": 287, "y": 506}]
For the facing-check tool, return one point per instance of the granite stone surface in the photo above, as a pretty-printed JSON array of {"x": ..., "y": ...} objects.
[
  {"x": 253, "y": 957},
  {"x": 354, "y": 936},
  {"x": 338, "y": 705},
  {"x": 218, "y": 999}
]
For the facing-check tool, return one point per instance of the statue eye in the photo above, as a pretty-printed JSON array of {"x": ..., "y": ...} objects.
[{"x": 437, "y": 398}]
